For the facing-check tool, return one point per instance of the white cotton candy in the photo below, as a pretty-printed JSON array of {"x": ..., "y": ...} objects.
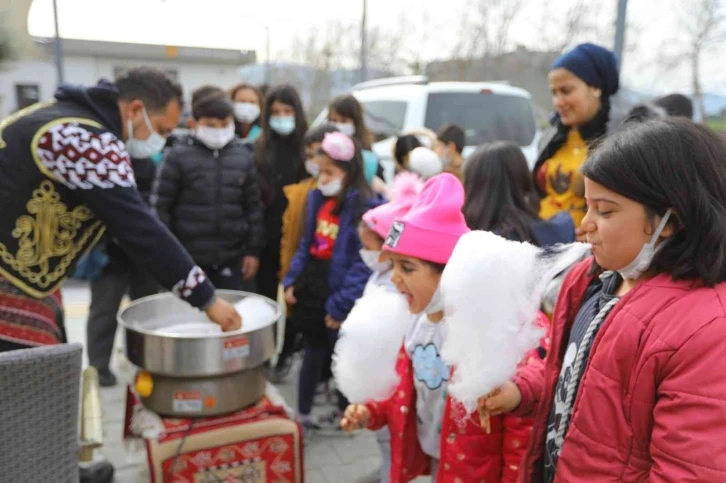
[
  {"x": 256, "y": 313},
  {"x": 492, "y": 289},
  {"x": 191, "y": 328},
  {"x": 370, "y": 339}
]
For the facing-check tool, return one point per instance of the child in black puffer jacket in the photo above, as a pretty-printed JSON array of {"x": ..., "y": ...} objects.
[{"x": 208, "y": 194}]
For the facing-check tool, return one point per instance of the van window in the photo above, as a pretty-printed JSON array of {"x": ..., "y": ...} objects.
[
  {"x": 484, "y": 117},
  {"x": 384, "y": 118}
]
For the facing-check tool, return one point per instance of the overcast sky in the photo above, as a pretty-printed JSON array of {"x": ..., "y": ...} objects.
[{"x": 239, "y": 24}]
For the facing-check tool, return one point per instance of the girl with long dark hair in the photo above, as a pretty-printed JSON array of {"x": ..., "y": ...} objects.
[
  {"x": 500, "y": 197},
  {"x": 280, "y": 161}
]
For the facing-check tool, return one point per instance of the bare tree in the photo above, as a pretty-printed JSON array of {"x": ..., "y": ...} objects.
[
  {"x": 704, "y": 23},
  {"x": 580, "y": 19},
  {"x": 486, "y": 27}
]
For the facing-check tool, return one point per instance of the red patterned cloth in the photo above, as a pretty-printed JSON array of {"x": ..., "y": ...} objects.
[
  {"x": 29, "y": 321},
  {"x": 258, "y": 444},
  {"x": 326, "y": 231}
]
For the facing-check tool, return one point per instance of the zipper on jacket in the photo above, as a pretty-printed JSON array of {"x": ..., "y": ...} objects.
[{"x": 218, "y": 203}]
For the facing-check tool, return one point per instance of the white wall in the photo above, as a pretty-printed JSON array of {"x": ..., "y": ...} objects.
[{"x": 88, "y": 70}]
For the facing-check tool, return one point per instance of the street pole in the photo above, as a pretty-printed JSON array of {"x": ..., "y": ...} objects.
[
  {"x": 364, "y": 44},
  {"x": 267, "y": 55},
  {"x": 620, "y": 31},
  {"x": 58, "y": 45}
]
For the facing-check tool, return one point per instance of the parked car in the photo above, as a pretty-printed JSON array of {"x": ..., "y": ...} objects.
[{"x": 487, "y": 111}]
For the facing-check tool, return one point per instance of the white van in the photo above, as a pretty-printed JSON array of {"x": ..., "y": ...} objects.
[{"x": 487, "y": 111}]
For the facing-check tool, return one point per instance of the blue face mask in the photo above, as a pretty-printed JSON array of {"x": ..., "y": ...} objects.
[{"x": 282, "y": 125}]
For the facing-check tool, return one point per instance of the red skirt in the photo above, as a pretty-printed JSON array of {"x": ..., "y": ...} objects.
[{"x": 29, "y": 321}]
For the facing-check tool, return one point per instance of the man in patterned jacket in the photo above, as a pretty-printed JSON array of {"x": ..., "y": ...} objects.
[{"x": 65, "y": 178}]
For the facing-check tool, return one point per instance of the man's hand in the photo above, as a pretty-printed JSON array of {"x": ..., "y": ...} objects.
[
  {"x": 250, "y": 265},
  {"x": 331, "y": 323},
  {"x": 224, "y": 314}
]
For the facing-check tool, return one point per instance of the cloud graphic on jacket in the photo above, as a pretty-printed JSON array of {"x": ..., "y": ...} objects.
[{"x": 428, "y": 366}]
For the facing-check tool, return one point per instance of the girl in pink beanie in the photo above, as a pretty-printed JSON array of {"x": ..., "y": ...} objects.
[
  {"x": 430, "y": 432},
  {"x": 375, "y": 225}
]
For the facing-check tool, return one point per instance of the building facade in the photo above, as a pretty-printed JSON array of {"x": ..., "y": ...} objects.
[{"x": 34, "y": 78}]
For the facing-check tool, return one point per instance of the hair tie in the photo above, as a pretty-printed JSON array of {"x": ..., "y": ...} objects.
[{"x": 338, "y": 146}]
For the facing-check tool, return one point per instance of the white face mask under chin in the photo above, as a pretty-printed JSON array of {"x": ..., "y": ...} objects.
[
  {"x": 372, "y": 260},
  {"x": 641, "y": 262},
  {"x": 331, "y": 188}
]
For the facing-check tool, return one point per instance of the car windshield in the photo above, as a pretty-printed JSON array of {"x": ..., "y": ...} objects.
[
  {"x": 384, "y": 118},
  {"x": 484, "y": 116}
]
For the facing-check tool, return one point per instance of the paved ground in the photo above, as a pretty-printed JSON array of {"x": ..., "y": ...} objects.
[{"x": 328, "y": 458}]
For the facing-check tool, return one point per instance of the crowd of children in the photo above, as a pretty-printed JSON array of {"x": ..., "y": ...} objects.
[{"x": 626, "y": 385}]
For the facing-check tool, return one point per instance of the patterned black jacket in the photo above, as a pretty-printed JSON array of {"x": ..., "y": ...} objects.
[
  {"x": 66, "y": 177},
  {"x": 210, "y": 199}
]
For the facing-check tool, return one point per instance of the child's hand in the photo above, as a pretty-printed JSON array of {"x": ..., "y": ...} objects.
[
  {"x": 505, "y": 399},
  {"x": 331, "y": 323},
  {"x": 356, "y": 417},
  {"x": 290, "y": 295},
  {"x": 250, "y": 265}
]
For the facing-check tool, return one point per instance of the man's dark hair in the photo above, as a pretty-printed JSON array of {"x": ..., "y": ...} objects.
[
  {"x": 151, "y": 86},
  {"x": 317, "y": 134},
  {"x": 211, "y": 101},
  {"x": 451, "y": 133},
  {"x": 672, "y": 163}
]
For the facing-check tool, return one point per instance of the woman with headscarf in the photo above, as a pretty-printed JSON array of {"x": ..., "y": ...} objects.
[{"x": 582, "y": 82}]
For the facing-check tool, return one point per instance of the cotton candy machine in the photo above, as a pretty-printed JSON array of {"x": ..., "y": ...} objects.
[{"x": 188, "y": 366}]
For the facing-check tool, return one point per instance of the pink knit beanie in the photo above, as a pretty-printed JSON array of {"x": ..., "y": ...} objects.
[
  {"x": 406, "y": 188},
  {"x": 433, "y": 225}
]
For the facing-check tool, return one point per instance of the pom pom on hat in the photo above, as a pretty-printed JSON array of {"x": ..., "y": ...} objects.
[
  {"x": 434, "y": 224},
  {"x": 406, "y": 188},
  {"x": 338, "y": 146},
  {"x": 425, "y": 163}
]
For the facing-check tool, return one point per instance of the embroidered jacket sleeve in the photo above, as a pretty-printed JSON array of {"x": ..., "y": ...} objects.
[{"x": 95, "y": 166}]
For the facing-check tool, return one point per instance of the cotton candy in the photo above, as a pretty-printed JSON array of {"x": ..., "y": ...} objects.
[
  {"x": 192, "y": 329},
  {"x": 492, "y": 289},
  {"x": 368, "y": 345},
  {"x": 256, "y": 313}
]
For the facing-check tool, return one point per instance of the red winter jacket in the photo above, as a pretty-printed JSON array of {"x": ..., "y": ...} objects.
[
  {"x": 651, "y": 405},
  {"x": 468, "y": 454}
]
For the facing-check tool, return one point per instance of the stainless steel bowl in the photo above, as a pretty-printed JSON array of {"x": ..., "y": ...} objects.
[{"x": 183, "y": 355}]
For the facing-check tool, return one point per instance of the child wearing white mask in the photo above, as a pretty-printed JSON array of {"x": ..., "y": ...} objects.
[
  {"x": 327, "y": 274},
  {"x": 208, "y": 194},
  {"x": 293, "y": 225},
  {"x": 346, "y": 114},
  {"x": 248, "y": 101}
]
